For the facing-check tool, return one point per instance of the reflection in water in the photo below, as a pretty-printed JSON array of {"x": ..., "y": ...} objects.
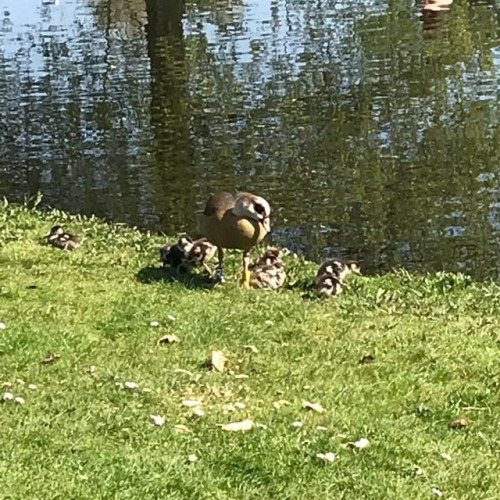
[{"x": 372, "y": 137}]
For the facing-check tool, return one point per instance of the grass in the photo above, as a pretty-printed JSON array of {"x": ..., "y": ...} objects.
[{"x": 81, "y": 434}]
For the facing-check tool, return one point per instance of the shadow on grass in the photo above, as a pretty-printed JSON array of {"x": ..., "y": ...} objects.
[{"x": 154, "y": 274}]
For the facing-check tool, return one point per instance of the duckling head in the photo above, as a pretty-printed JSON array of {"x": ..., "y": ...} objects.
[
  {"x": 253, "y": 207},
  {"x": 354, "y": 267},
  {"x": 56, "y": 231}
]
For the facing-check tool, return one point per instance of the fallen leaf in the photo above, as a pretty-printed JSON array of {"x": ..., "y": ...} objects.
[
  {"x": 51, "y": 357},
  {"x": 367, "y": 358},
  {"x": 157, "y": 420},
  {"x": 261, "y": 426},
  {"x": 240, "y": 405},
  {"x": 218, "y": 361},
  {"x": 438, "y": 491},
  {"x": 3, "y": 326},
  {"x": 321, "y": 428},
  {"x": 32, "y": 387},
  {"x": 241, "y": 376},
  {"x": 417, "y": 470},
  {"x": 460, "y": 422},
  {"x": 154, "y": 323},
  {"x": 244, "y": 425},
  {"x": 7, "y": 396},
  {"x": 230, "y": 407},
  {"x": 171, "y": 317},
  {"x": 147, "y": 390},
  {"x": 93, "y": 369},
  {"x": 361, "y": 443},
  {"x": 327, "y": 457},
  {"x": 192, "y": 458},
  {"x": 181, "y": 428},
  {"x": 313, "y": 406},
  {"x": 199, "y": 412},
  {"x": 251, "y": 348},
  {"x": 191, "y": 403},
  {"x": 19, "y": 400},
  {"x": 168, "y": 339},
  {"x": 131, "y": 385},
  {"x": 297, "y": 424},
  {"x": 280, "y": 403},
  {"x": 446, "y": 456}
]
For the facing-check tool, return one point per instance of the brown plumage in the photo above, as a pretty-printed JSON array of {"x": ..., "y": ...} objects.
[
  {"x": 331, "y": 274},
  {"x": 268, "y": 271},
  {"x": 340, "y": 268},
  {"x": 328, "y": 285},
  {"x": 59, "y": 238},
  {"x": 201, "y": 252},
  {"x": 237, "y": 221}
]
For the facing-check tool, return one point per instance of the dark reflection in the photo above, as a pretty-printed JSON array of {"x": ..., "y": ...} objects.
[
  {"x": 175, "y": 187},
  {"x": 371, "y": 127}
]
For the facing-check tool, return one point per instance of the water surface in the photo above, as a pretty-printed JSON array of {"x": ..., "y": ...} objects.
[{"x": 371, "y": 126}]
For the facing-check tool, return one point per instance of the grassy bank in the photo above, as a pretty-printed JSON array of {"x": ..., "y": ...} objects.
[{"x": 81, "y": 433}]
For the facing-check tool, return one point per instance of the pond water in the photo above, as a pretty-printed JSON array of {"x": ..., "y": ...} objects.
[{"x": 372, "y": 126}]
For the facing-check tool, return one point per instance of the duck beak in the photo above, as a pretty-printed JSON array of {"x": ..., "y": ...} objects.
[{"x": 267, "y": 224}]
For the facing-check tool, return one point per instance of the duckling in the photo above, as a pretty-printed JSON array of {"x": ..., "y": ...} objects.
[
  {"x": 331, "y": 274},
  {"x": 329, "y": 285},
  {"x": 340, "y": 268},
  {"x": 237, "y": 221},
  {"x": 59, "y": 238},
  {"x": 201, "y": 252},
  {"x": 268, "y": 271},
  {"x": 175, "y": 254}
]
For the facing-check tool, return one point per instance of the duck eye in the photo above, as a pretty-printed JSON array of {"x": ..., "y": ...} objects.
[{"x": 259, "y": 209}]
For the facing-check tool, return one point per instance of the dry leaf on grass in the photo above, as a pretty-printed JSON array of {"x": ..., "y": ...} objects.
[
  {"x": 181, "y": 428},
  {"x": 297, "y": 424},
  {"x": 7, "y": 396},
  {"x": 50, "y": 358},
  {"x": 192, "y": 458},
  {"x": 217, "y": 361},
  {"x": 327, "y": 457},
  {"x": 313, "y": 406},
  {"x": 199, "y": 412},
  {"x": 168, "y": 339},
  {"x": 460, "y": 422},
  {"x": 157, "y": 420},
  {"x": 244, "y": 425},
  {"x": 438, "y": 491},
  {"x": 241, "y": 376},
  {"x": 361, "y": 443},
  {"x": 446, "y": 456}
]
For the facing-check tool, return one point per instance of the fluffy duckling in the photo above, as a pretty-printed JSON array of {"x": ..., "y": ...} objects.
[
  {"x": 175, "y": 254},
  {"x": 340, "y": 268},
  {"x": 331, "y": 274},
  {"x": 59, "y": 238},
  {"x": 328, "y": 285},
  {"x": 201, "y": 252},
  {"x": 237, "y": 221},
  {"x": 268, "y": 271}
]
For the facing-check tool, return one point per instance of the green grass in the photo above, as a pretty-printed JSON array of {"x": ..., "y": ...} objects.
[{"x": 81, "y": 434}]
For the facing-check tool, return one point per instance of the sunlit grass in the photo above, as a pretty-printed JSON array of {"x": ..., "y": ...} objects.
[{"x": 82, "y": 434}]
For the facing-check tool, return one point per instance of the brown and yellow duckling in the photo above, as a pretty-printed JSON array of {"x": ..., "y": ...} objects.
[
  {"x": 331, "y": 274},
  {"x": 268, "y": 271},
  {"x": 237, "y": 221},
  {"x": 60, "y": 238}
]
